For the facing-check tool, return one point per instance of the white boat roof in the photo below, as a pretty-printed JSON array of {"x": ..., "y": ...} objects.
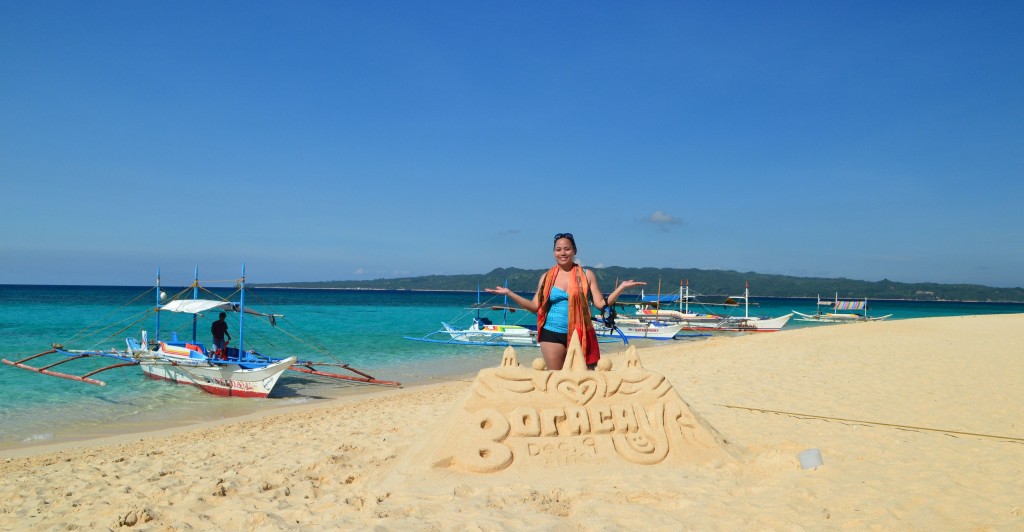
[{"x": 196, "y": 306}]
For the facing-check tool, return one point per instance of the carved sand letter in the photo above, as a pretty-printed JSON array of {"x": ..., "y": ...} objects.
[
  {"x": 602, "y": 416},
  {"x": 525, "y": 422},
  {"x": 623, "y": 418},
  {"x": 549, "y": 418},
  {"x": 649, "y": 444},
  {"x": 577, "y": 421},
  {"x": 485, "y": 453}
]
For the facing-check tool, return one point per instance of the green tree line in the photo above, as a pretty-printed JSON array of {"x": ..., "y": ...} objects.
[{"x": 704, "y": 282}]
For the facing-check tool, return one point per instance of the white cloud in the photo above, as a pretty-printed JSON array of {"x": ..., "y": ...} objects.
[{"x": 662, "y": 219}]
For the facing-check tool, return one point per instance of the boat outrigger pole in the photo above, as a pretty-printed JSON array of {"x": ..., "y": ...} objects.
[{"x": 71, "y": 356}]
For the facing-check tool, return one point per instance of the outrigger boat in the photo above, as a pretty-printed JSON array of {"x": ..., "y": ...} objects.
[
  {"x": 654, "y": 307},
  {"x": 230, "y": 371},
  {"x": 840, "y": 317},
  {"x": 748, "y": 323},
  {"x": 483, "y": 331},
  {"x": 706, "y": 322}
]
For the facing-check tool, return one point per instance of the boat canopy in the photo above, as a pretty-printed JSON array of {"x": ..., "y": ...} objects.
[
  {"x": 851, "y": 305},
  {"x": 665, "y": 298},
  {"x": 198, "y": 306}
]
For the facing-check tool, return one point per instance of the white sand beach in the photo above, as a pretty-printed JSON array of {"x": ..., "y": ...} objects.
[{"x": 920, "y": 425}]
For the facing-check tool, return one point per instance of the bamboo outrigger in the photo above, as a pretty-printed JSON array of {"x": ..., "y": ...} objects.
[{"x": 71, "y": 357}]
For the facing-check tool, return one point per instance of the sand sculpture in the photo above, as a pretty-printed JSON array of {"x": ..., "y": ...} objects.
[{"x": 518, "y": 418}]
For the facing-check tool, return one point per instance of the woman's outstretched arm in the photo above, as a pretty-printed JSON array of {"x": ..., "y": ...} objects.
[
  {"x": 531, "y": 305},
  {"x": 599, "y": 299}
]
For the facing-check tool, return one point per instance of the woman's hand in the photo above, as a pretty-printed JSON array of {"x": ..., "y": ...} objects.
[
  {"x": 520, "y": 300},
  {"x": 631, "y": 283}
]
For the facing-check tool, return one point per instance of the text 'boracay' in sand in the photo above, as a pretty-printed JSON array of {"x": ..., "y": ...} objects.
[{"x": 524, "y": 418}]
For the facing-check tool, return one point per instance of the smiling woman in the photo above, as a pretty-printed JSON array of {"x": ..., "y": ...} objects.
[{"x": 562, "y": 304}]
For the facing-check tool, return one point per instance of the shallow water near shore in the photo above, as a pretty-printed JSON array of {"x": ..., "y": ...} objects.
[{"x": 362, "y": 328}]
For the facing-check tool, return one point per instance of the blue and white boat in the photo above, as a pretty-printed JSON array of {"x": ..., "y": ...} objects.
[
  {"x": 482, "y": 331},
  {"x": 651, "y": 308},
  {"x": 229, "y": 372}
]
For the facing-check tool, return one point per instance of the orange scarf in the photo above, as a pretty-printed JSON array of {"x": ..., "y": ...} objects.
[{"x": 579, "y": 310}]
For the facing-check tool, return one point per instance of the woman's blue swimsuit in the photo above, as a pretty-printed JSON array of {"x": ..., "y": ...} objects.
[{"x": 558, "y": 313}]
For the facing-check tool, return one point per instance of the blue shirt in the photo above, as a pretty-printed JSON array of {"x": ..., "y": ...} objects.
[{"x": 558, "y": 314}]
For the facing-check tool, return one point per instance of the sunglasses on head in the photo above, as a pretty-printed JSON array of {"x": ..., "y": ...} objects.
[{"x": 565, "y": 235}]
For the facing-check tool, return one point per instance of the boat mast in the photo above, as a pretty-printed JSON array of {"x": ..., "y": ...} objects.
[
  {"x": 477, "y": 304},
  {"x": 195, "y": 295},
  {"x": 504, "y": 304},
  {"x": 746, "y": 300},
  {"x": 241, "y": 313},
  {"x": 157, "y": 306},
  {"x": 657, "y": 309}
]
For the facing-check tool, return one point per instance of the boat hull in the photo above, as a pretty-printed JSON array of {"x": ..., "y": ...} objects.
[
  {"x": 226, "y": 380},
  {"x": 742, "y": 324},
  {"x": 516, "y": 335},
  {"x": 837, "y": 318},
  {"x": 640, "y": 329}
]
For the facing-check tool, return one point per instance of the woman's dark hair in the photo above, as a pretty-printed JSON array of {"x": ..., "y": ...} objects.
[{"x": 567, "y": 236}]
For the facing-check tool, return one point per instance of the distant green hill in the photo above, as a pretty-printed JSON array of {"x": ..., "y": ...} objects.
[{"x": 706, "y": 282}]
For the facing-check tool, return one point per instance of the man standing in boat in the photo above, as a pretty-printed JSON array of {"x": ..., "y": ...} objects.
[{"x": 219, "y": 330}]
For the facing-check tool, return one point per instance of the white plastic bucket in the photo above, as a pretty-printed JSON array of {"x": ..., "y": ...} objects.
[{"x": 810, "y": 459}]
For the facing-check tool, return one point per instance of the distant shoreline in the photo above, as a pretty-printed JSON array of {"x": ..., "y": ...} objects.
[
  {"x": 361, "y": 289},
  {"x": 462, "y": 291},
  {"x": 429, "y": 290},
  {"x": 705, "y": 282}
]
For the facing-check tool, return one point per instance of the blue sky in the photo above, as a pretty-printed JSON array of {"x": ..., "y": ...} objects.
[{"x": 360, "y": 140}]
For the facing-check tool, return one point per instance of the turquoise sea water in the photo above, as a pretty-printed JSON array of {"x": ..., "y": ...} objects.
[{"x": 362, "y": 328}]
